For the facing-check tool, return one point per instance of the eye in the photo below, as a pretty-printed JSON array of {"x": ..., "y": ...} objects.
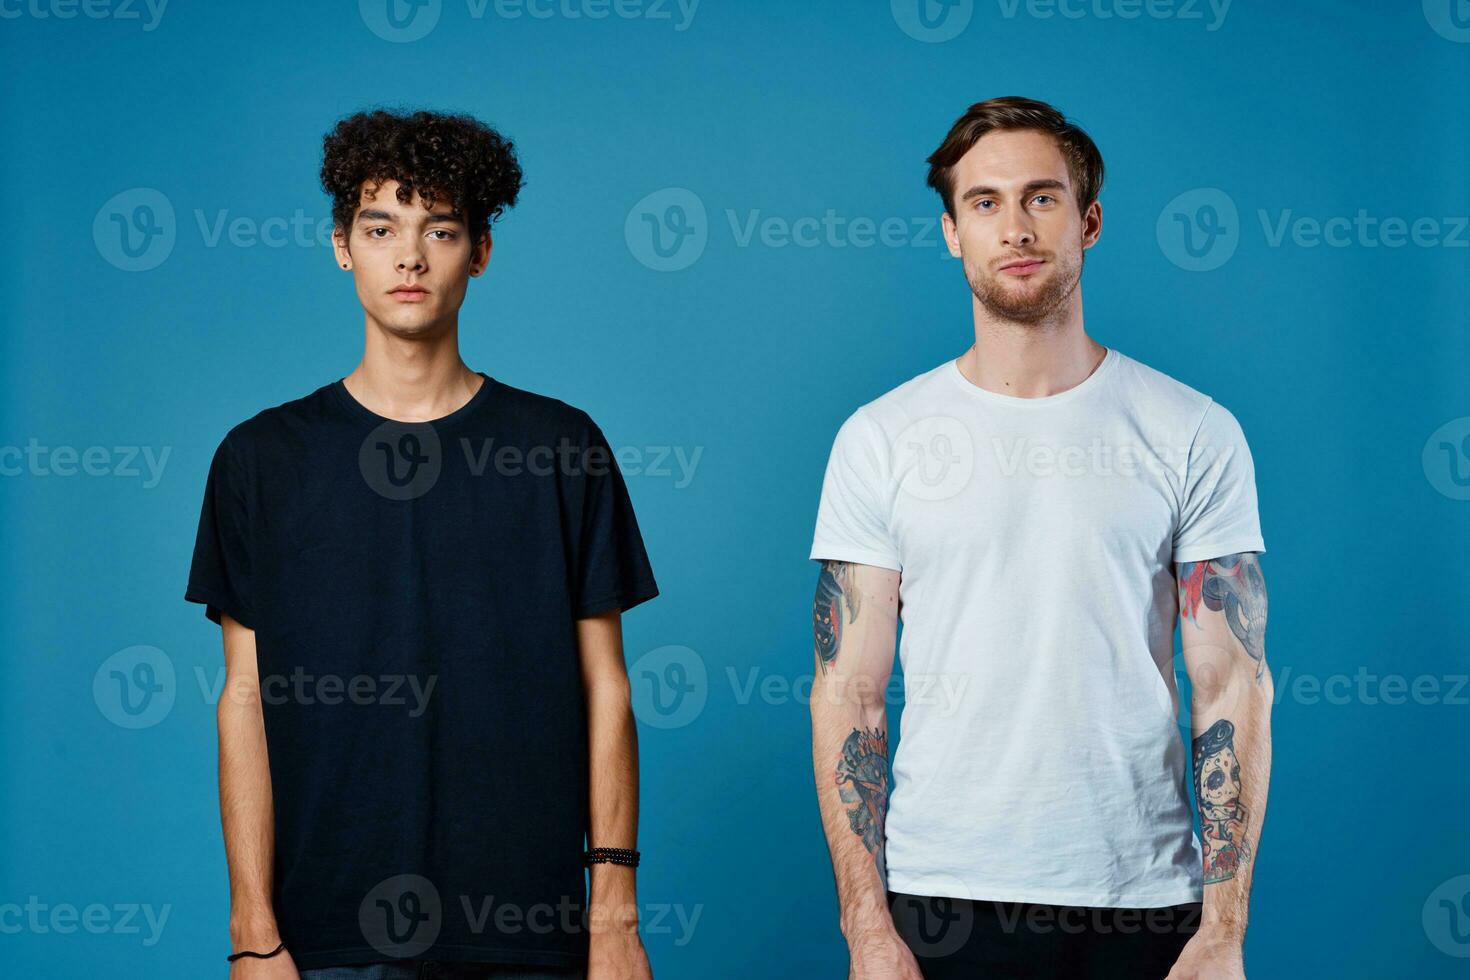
[
  {"x": 1042, "y": 199},
  {"x": 984, "y": 204},
  {"x": 450, "y": 236},
  {"x": 371, "y": 230}
]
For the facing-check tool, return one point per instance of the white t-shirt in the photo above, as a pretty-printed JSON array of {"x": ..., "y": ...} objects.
[{"x": 1040, "y": 757}]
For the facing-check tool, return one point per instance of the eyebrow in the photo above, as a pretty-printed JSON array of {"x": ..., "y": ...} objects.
[
  {"x": 1049, "y": 184},
  {"x": 438, "y": 217}
]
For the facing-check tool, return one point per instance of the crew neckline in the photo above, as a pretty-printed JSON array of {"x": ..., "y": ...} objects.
[
  {"x": 995, "y": 397},
  {"x": 339, "y": 387}
]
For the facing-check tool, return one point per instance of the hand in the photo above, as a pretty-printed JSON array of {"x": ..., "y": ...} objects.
[
  {"x": 278, "y": 967},
  {"x": 1209, "y": 955},
  {"x": 617, "y": 955},
  {"x": 881, "y": 956}
]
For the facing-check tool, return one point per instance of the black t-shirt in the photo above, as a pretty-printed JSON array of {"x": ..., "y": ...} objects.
[{"x": 413, "y": 588}]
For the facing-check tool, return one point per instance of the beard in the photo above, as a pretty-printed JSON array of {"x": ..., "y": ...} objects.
[{"x": 1022, "y": 300}]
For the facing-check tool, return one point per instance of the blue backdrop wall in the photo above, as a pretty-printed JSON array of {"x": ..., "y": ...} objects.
[{"x": 725, "y": 245}]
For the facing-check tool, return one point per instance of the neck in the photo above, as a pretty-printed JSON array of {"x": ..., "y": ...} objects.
[
  {"x": 412, "y": 379},
  {"x": 1031, "y": 360}
]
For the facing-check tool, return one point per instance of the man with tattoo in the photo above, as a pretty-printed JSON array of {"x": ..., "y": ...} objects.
[{"x": 1041, "y": 512}]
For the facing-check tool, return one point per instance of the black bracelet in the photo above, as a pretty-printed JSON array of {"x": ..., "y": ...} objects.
[
  {"x": 613, "y": 855},
  {"x": 250, "y": 952}
]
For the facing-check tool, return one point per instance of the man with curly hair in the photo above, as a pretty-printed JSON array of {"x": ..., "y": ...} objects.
[{"x": 419, "y": 570}]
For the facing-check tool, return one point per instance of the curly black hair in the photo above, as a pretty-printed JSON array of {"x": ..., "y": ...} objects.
[{"x": 453, "y": 158}]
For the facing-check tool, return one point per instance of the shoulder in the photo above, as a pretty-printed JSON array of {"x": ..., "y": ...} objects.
[
  {"x": 271, "y": 425},
  {"x": 921, "y": 396},
  {"x": 1158, "y": 391},
  {"x": 1195, "y": 421},
  {"x": 542, "y": 416},
  {"x": 1151, "y": 394}
]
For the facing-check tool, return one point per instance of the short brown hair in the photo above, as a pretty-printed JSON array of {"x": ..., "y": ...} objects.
[{"x": 1011, "y": 112}]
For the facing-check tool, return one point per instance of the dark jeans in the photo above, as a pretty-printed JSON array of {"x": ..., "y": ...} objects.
[
  {"x": 430, "y": 970},
  {"x": 954, "y": 937}
]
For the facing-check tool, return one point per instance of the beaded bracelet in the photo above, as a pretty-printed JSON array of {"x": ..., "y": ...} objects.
[
  {"x": 250, "y": 952},
  {"x": 613, "y": 855}
]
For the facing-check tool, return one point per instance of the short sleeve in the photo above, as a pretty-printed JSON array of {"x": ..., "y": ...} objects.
[
  {"x": 1218, "y": 515},
  {"x": 851, "y": 521},
  {"x": 612, "y": 569},
  {"x": 219, "y": 576}
]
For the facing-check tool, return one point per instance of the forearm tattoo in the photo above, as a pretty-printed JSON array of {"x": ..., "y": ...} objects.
[
  {"x": 1232, "y": 585},
  {"x": 1222, "y": 816},
  {"x": 862, "y": 783},
  {"x": 835, "y": 606}
]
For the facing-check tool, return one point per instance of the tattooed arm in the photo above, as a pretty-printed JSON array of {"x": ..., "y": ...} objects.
[
  {"x": 854, "y": 622},
  {"x": 1222, "y": 604}
]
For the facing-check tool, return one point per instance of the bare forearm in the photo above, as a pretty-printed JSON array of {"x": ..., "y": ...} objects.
[
  {"x": 613, "y": 790},
  {"x": 247, "y": 819},
  {"x": 615, "y": 949}
]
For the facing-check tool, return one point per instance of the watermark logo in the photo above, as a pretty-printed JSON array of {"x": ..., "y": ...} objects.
[
  {"x": 135, "y": 229},
  {"x": 570, "y": 459},
  {"x": 1446, "y": 917},
  {"x": 653, "y": 11},
  {"x": 122, "y": 10},
  {"x": 1099, "y": 458},
  {"x": 1446, "y": 459},
  {"x": 401, "y": 460},
  {"x": 37, "y": 459},
  {"x": 938, "y": 926},
  {"x": 401, "y": 916},
  {"x": 1181, "y": 10},
  {"x": 1363, "y": 687},
  {"x": 667, "y": 230},
  {"x": 932, "y": 21},
  {"x": 670, "y": 686},
  {"x": 1199, "y": 230},
  {"x": 832, "y": 230},
  {"x": 135, "y": 687},
  {"x": 65, "y": 919},
  {"x": 1449, "y": 18},
  {"x": 400, "y": 21},
  {"x": 1363, "y": 230},
  {"x": 934, "y": 458}
]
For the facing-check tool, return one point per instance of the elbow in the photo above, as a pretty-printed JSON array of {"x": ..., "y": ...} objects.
[
  {"x": 857, "y": 696},
  {"x": 240, "y": 697},
  {"x": 610, "y": 690}
]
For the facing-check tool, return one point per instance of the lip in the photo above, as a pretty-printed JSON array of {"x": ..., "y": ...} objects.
[
  {"x": 408, "y": 294},
  {"x": 1022, "y": 267}
]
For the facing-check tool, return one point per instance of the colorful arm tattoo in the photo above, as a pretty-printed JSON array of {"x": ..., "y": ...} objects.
[
  {"x": 1235, "y": 586},
  {"x": 1222, "y": 816},
  {"x": 862, "y": 783},
  {"x": 836, "y": 604}
]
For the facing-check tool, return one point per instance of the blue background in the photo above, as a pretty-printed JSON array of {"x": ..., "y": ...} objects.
[{"x": 1340, "y": 362}]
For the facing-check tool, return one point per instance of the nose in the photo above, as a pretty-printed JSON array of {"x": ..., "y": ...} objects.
[
  {"x": 1018, "y": 234},
  {"x": 411, "y": 260}
]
